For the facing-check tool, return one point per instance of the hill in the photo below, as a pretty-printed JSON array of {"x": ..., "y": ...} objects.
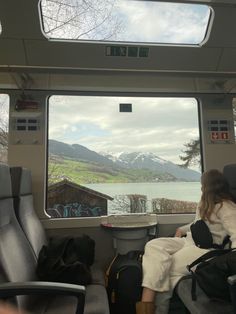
[{"x": 79, "y": 164}]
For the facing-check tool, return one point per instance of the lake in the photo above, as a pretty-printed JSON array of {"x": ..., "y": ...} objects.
[{"x": 185, "y": 191}]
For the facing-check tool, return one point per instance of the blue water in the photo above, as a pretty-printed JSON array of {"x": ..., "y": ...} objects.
[{"x": 185, "y": 191}]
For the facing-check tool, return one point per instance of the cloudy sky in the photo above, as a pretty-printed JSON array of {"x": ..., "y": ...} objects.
[
  {"x": 138, "y": 21},
  {"x": 158, "y": 125}
]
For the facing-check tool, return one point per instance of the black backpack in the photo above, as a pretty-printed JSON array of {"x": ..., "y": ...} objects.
[
  {"x": 202, "y": 236},
  {"x": 124, "y": 279},
  {"x": 213, "y": 269}
]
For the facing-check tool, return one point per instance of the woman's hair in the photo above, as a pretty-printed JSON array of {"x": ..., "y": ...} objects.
[{"x": 215, "y": 189}]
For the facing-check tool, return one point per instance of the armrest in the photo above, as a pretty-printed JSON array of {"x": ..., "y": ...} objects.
[
  {"x": 11, "y": 289},
  {"x": 232, "y": 280}
]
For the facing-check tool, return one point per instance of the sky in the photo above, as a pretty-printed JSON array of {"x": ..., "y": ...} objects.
[
  {"x": 138, "y": 21},
  {"x": 157, "y": 125}
]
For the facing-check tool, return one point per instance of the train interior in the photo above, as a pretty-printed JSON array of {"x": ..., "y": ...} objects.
[{"x": 56, "y": 82}]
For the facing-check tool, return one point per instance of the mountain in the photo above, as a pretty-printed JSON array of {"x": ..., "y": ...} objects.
[
  {"x": 77, "y": 152},
  {"x": 151, "y": 161},
  {"x": 123, "y": 162}
]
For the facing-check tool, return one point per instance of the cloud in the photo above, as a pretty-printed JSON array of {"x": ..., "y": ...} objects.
[
  {"x": 159, "y": 125},
  {"x": 133, "y": 21}
]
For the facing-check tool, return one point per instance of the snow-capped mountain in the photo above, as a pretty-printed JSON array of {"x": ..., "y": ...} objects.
[
  {"x": 151, "y": 161},
  {"x": 122, "y": 161}
]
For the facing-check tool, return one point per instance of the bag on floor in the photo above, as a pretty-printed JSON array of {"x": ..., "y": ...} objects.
[
  {"x": 124, "y": 279},
  {"x": 211, "y": 273},
  {"x": 67, "y": 260}
]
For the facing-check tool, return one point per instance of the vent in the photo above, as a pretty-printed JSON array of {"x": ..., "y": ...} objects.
[{"x": 127, "y": 51}]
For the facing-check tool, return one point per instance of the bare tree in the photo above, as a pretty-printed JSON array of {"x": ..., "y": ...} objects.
[
  {"x": 81, "y": 19},
  {"x": 4, "y": 116}
]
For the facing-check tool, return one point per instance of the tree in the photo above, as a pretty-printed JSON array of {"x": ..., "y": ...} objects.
[
  {"x": 4, "y": 114},
  {"x": 81, "y": 19},
  {"x": 191, "y": 153}
]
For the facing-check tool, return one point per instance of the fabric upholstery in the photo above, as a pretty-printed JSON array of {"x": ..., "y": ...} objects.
[
  {"x": 5, "y": 187},
  {"x": 17, "y": 259},
  {"x": 203, "y": 305},
  {"x": 96, "y": 301},
  {"x": 230, "y": 173}
]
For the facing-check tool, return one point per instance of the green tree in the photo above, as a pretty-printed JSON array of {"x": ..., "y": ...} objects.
[{"x": 191, "y": 153}]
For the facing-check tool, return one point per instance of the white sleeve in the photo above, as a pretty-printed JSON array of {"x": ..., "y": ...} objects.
[
  {"x": 227, "y": 215},
  {"x": 186, "y": 228}
]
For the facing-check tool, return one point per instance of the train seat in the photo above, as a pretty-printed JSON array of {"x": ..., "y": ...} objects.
[
  {"x": 96, "y": 301},
  {"x": 18, "y": 264},
  {"x": 230, "y": 173}
]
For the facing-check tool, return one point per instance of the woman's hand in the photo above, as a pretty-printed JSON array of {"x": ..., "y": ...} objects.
[
  {"x": 179, "y": 233},
  {"x": 8, "y": 309}
]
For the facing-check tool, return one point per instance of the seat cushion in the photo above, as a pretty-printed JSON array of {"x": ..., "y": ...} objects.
[
  {"x": 96, "y": 301},
  {"x": 98, "y": 276},
  {"x": 54, "y": 305},
  {"x": 203, "y": 305}
]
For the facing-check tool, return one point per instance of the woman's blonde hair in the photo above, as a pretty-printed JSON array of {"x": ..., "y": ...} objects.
[{"x": 215, "y": 189}]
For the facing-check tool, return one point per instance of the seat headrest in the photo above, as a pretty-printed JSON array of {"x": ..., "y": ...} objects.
[
  {"x": 5, "y": 182},
  {"x": 21, "y": 181},
  {"x": 229, "y": 172}
]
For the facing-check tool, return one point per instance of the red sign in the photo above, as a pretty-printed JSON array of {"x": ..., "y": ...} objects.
[
  {"x": 214, "y": 135},
  {"x": 225, "y": 135},
  {"x": 219, "y": 136}
]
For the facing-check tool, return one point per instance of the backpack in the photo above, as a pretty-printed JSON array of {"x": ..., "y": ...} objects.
[
  {"x": 67, "y": 260},
  {"x": 213, "y": 269},
  {"x": 124, "y": 279},
  {"x": 202, "y": 236}
]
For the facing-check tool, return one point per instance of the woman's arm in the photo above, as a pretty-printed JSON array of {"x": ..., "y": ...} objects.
[
  {"x": 181, "y": 231},
  {"x": 227, "y": 215}
]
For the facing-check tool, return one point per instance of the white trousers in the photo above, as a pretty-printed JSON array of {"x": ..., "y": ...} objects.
[{"x": 165, "y": 261}]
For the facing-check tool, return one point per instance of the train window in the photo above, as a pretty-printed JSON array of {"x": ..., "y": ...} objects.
[
  {"x": 234, "y": 115},
  {"x": 4, "y": 122},
  {"x": 103, "y": 159},
  {"x": 129, "y": 21}
]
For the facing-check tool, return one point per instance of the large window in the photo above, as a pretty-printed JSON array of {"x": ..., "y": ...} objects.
[
  {"x": 129, "y": 21},
  {"x": 111, "y": 155},
  {"x": 4, "y": 122}
]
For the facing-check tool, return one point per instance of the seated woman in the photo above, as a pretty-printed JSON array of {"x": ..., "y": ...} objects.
[{"x": 165, "y": 259}]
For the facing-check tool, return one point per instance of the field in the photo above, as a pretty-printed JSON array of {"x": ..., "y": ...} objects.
[{"x": 84, "y": 173}]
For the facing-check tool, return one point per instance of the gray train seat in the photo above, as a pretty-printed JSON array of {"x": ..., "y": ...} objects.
[
  {"x": 204, "y": 304},
  {"x": 96, "y": 301},
  {"x": 18, "y": 264},
  {"x": 229, "y": 172}
]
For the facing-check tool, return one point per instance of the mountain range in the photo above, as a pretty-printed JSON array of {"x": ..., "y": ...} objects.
[{"x": 123, "y": 161}]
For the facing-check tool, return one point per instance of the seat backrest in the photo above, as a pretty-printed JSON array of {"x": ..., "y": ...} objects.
[
  {"x": 24, "y": 208},
  {"x": 229, "y": 172},
  {"x": 17, "y": 259}
]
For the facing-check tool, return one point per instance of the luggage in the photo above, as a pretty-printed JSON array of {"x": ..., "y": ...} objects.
[
  {"x": 124, "y": 279},
  {"x": 211, "y": 273}
]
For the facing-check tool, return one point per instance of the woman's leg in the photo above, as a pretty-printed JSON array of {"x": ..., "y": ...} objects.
[
  {"x": 157, "y": 260},
  {"x": 156, "y": 265}
]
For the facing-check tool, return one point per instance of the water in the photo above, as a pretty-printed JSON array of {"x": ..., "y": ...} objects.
[{"x": 184, "y": 191}]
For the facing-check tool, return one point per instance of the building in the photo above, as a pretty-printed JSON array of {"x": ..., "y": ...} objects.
[{"x": 68, "y": 199}]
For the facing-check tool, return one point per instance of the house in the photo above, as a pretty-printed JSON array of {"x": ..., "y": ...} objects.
[{"x": 68, "y": 199}]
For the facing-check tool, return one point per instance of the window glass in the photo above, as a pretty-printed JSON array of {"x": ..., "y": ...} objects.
[
  {"x": 129, "y": 21},
  {"x": 115, "y": 155},
  {"x": 234, "y": 115},
  {"x": 4, "y": 122}
]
